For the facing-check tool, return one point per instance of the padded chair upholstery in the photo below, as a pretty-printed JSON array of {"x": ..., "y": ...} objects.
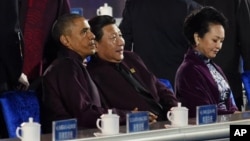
[
  {"x": 17, "y": 107},
  {"x": 167, "y": 83},
  {"x": 246, "y": 83}
]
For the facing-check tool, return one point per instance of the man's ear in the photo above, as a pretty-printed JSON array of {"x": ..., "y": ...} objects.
[
  {"x": 97, "y": 46},
  {"x": 64, "y": 40},
  {"x": 196, "y": 39}
]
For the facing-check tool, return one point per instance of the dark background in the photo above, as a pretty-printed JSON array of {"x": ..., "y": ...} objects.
[{"x": 90, "y": 6}]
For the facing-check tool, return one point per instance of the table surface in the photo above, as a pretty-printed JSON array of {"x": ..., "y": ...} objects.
[{"x": 162, "y": 130}]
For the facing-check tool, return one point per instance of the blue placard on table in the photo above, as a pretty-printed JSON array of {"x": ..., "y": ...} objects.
[
  {"x": 77, "y": 10},
  {"x": 137, "y": 121},
  {"x": 64, "y": 129},
  {"x": 206, "y": 114}
]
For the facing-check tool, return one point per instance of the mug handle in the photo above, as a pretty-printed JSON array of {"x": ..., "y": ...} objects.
[
  {"x": 98, "y": 124},
  {"x": 18, "y": 129},
  {"x": 98, "y": 12},
  {"x": 169, "y": 116}
]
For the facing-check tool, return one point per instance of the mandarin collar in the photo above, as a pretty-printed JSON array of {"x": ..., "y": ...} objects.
[
  {"x": 96, "y": 58},
  {"x": 202, "y": 57},
  {"x": 66, "y": 52}
]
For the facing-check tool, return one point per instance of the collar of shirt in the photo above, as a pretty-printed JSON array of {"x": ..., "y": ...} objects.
[{"x": 202, "y": 57}]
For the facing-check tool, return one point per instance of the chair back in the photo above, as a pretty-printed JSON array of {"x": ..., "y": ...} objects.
[
  {"x": 167, "y": 83},
  {"x": 246, "y": 82},
  {"x": 17, "y": 107}
]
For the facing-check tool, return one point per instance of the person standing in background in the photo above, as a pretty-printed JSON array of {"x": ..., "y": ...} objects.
[
  {"x": 11, "y": 53},
  {"x": 11, "y": 48},
  {"x": 37, "y": 18},
  {"x": 154, "y": 30},
  {"x": 236, "y": 43}
]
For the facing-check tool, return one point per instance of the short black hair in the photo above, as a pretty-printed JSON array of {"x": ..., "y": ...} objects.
[
  {"x": 62, "y": 25},
  {"x": 98, "y": 22},
  {"x": 198, "y": 22}
]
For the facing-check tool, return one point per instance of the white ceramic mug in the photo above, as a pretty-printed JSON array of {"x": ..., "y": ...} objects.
[
  {"x": 108, "y": 123},
  {"x": 178, "y": 116},
  {"x": 29, "y": 131},
  {"x": 105, "y": 10}
]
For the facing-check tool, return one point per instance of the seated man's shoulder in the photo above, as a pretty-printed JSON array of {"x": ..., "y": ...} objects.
[
  {"x": 130, "y": 54},
  {"x": 61, "y": 64}
]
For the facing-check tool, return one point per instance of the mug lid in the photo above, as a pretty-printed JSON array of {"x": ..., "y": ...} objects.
[
  {"x": 179, "y": 107},
  {"x": 109, "y": 114},
  {"x": 30, "y": 123}
]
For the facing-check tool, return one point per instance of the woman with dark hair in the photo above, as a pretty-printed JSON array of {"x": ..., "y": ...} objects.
[
  {"x": 199, "y": 81},
  {"x": 236, "y": 44}
]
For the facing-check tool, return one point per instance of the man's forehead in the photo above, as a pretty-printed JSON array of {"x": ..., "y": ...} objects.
[{"x": 82, "y": 22}]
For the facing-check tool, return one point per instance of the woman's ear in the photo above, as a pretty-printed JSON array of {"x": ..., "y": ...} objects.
[{"x": 64, "y": 40}]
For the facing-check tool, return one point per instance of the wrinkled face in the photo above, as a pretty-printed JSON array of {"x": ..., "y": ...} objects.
[
  {"x": 211, "y": 43},
  {"x": 110, "y": 47},
  {"x": 79, "y": 38}
]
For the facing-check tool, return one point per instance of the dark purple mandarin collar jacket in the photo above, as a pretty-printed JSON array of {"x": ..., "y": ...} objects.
[
  {"x": 68, "y": 92},
  {"x": 195, "y": 85},
  {"x": 120, "y": 94}
]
